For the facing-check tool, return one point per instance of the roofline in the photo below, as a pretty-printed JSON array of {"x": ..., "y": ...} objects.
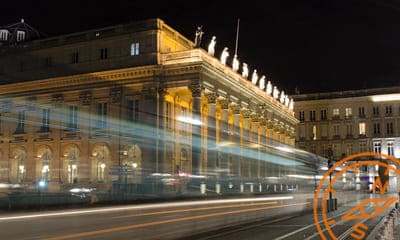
[{"x": 346, "y": 94}]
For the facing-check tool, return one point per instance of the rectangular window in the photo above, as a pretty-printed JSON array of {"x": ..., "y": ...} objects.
[
  {"x": 361, "y": 126},
  {"x": 335, "y": 113},
  {"x": 336, "y": 130},
  {"x": 361, "y": 112},
  {"x": 72, "y": 118},
  {"x": 388, "y": 110},
  {"x": 349, "y": 149},
  {"x": 336, "y": 150},
  {"x": 390, "y": 149},
  {"x": 21, "y": 122},
  {"x": 324, "y": 130},
  {"x": 375, "y": 111},
  {"x": 312, "y": 115},
  {"x": 101, "y": 115},
  {"x": 301, "y": 116},
  {"x": 348, "y": 113},
  {"x": 389, "y": 128},
  {"x": 377, "y": 147},
  {"x": 363, "y": 147},
  {"x": 302, "y": 132},
  {"x": 103, "y": 53},
  {"x": 323, "y": 114},
  {"x": 45, "y": 120},
  {"x": 133, "y": 110},
  {"x": 74, "y": 57},
  {"x": 134, "y": 49},
  {"x": 314, "y": 132},
  {"x": 377, "y": 128},
  {"x": 349, "y": 129}
]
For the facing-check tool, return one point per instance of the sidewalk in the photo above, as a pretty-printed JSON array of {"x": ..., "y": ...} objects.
[{"x": 388, "y": 228}]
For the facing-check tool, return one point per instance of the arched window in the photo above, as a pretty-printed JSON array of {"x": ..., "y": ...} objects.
[
  {"x": 44, "y": 155},
  {"x": 3, "y": 35},
  {"x": 72, "y": 156},
  {"x": 20, "y": 156},
  {"x": 101, "y": 153},
  {"x": 20, "y": 36}
]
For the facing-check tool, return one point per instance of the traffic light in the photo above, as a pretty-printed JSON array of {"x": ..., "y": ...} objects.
[{"x": 330, "y": 163}]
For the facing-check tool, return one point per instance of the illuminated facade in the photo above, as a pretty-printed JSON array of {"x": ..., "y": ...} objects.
[
  {"x": 78, "y": 108},
  {"x": 349, "y": 122}
]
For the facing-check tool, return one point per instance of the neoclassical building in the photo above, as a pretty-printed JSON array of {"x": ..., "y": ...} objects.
[
  {"x": 349, "y": 122},
  {"x": 139, "y": 98}
]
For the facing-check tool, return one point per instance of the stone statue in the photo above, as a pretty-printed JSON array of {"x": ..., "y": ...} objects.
[
  {"x": 211, "y": 46},
  {"x": 269, "y": 88},
  {"x": 199, "y": 35},
  {"x": 262, "y": 82},
  {"x": 254, "y": 77},
  {"x": 286, "y": 101},
  {"x": 282, "y": 99},
  {"x": 291, "y": 104},
  {"x": 224, "y": 55},
  {"x": 245, "y": 71},
  {"x": 275, "y": 93},
  {"x": 235, "y": 63}
]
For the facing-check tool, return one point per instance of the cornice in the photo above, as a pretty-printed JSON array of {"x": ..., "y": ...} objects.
[{"x": 110, "y": 76}]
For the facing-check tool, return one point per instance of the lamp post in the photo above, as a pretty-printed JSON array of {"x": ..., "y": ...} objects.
[{"x": 330, "y": 165}]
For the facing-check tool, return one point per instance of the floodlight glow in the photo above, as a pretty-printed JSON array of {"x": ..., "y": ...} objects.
[
  {"x": 385, "y": 98},
  {"x": 285, "y": 149},
  {"x": 189, "y": 120}
]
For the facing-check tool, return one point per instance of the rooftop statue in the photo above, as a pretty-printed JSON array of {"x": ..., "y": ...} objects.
[
  {"x": 245, "y": 71},
  {"x": 275, "y": 93},
  {"x": 199, "y": 35},
  {"x": 262, "y": 82},
  {"x": 224, "y": 55},
  {"x": 269, "y": 88},
  {"x": 235, "y": 63},
  {"x": 254, "y": 77},
  {"x": 211, "y": 46}
]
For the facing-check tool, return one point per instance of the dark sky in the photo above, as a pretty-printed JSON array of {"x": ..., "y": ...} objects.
[{"x": 314, "y": 45}]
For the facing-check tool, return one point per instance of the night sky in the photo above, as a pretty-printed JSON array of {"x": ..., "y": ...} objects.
[{"x": 316, "y": 46}]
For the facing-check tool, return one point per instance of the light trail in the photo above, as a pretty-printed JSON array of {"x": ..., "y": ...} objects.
[
  {"x": 149, "y": 224},
  {"x": 194, "y": 209},
  {"x": 144, "y": 206}
]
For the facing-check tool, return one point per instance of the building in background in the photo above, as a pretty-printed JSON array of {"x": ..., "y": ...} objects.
[
  {"x": 138, "y": 98},
  {"x": 348, "y": 122}
]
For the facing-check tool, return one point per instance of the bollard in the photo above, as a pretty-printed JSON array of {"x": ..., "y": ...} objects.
[
  {"x": 203, "y": 188},
  {"x": 241, "y": 187},
  {"x": 218, "y": 188},
  {"x": 260, "y": 187},
  {"x": 251, "y": 187}
]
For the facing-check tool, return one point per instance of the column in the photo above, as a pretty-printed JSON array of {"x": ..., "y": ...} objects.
[
  {"x": 246, "y": 168},
  {"x": 263, "y": 140},
  {"x": 195, "y": 88},
  {"x": 255, "y": 166},
  {"x": 235, "y": 138},
  {"x": 161, "y": 157},
  {"x": 212, "y": 162},
  {"x": 224, "y": 136}
]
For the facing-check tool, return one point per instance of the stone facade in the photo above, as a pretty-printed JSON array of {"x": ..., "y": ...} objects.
[{"x": 139, "y": 98}]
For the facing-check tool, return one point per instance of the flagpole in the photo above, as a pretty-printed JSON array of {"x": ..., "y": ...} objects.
[{"x": 237, "y": 36}]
